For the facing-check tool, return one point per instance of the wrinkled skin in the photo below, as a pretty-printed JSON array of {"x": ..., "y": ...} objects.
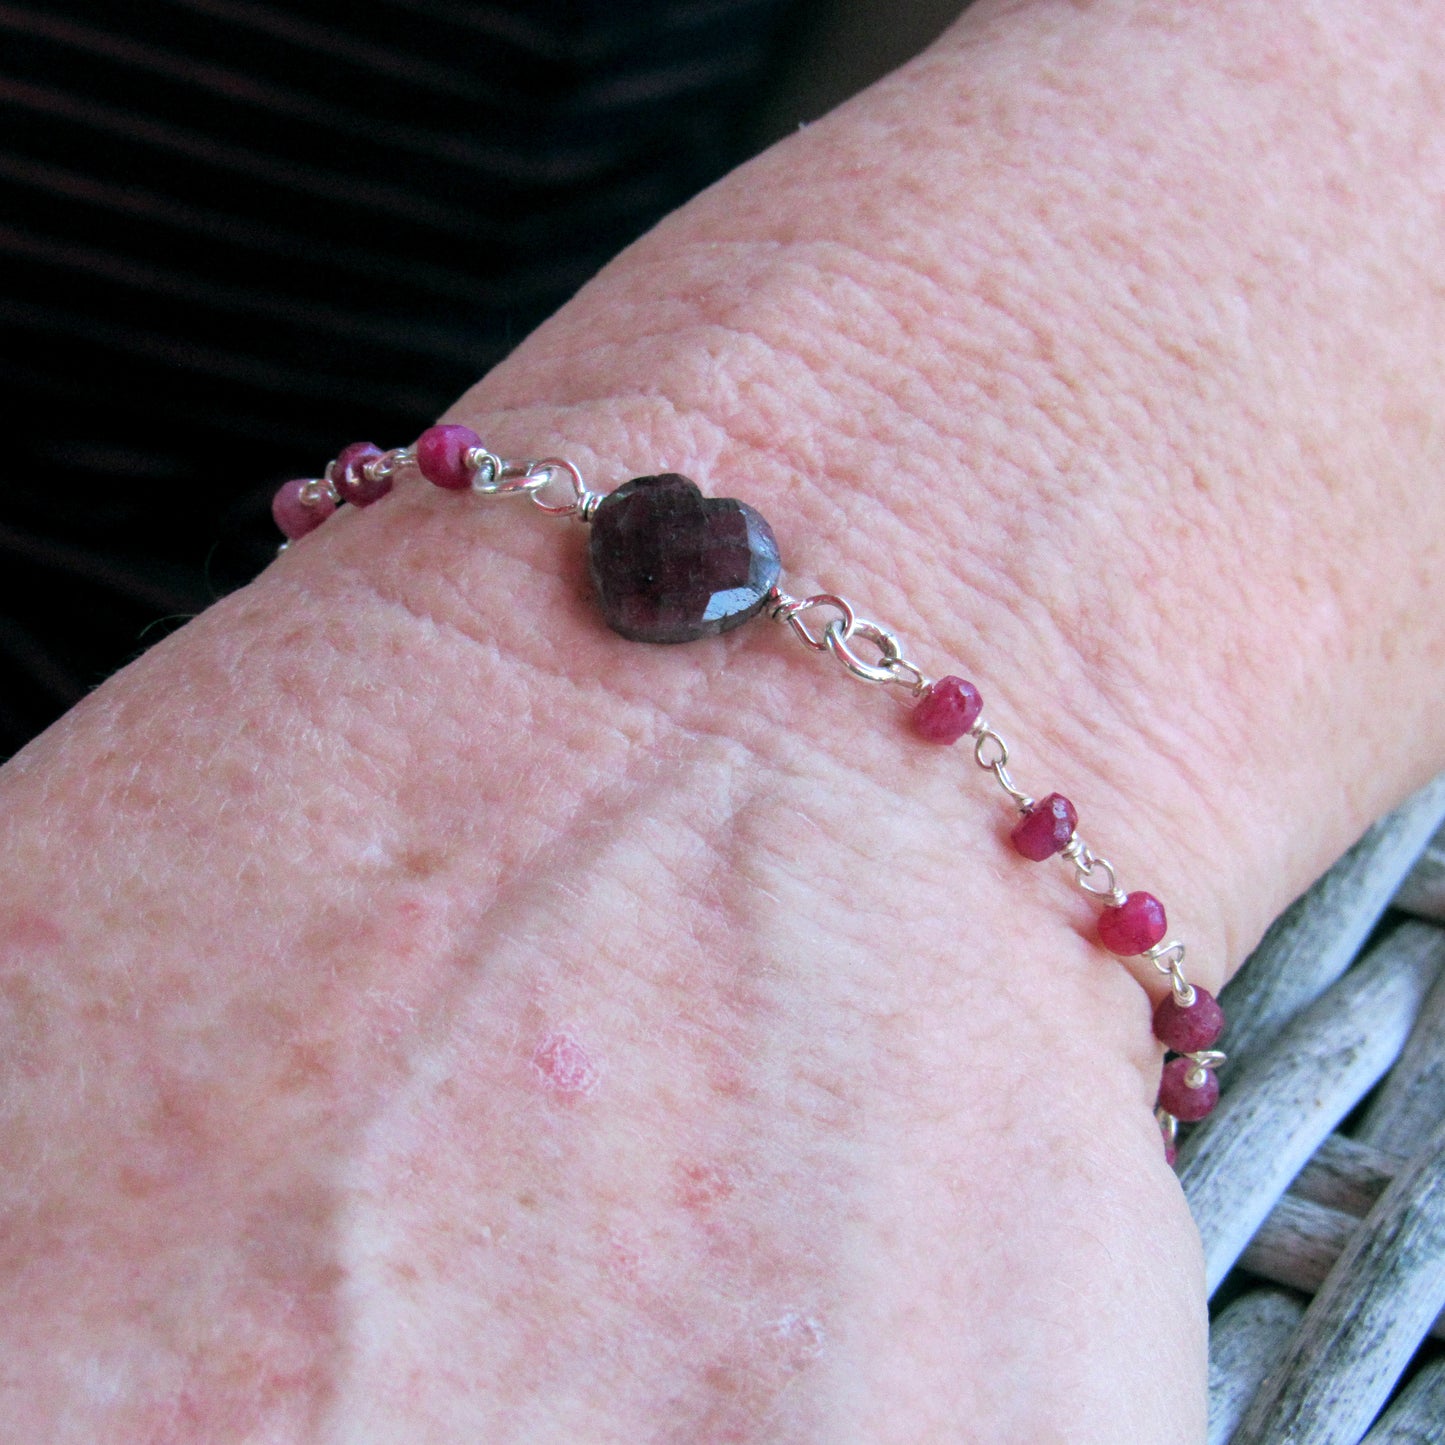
[{"x": 425, "y": 1016}]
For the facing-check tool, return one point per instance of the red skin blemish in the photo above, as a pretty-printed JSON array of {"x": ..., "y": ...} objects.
[
  {"x": 624, "y": 1262},
  {"x": 26, "y": 929},
  {"x": 700, "y": 1185},
  {"x": 564, "y": 1065}
]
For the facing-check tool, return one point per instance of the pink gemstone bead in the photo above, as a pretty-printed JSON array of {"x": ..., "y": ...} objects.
[
  {"x": 353, "y": 484},
  {"x": 1186, "y": 1104},
  {"x": 947, "y": 710},
  {"x": 1046, "y": 828},
  {"x": 1138, "y": 923},
  {"x": 441, "y": 453},
  {"x": 1187, "y": 1030},
  {"x": 296, "y": 518}
]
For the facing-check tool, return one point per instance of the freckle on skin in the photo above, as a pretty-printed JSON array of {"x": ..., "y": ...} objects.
[{"x": 564, "y": 1065}]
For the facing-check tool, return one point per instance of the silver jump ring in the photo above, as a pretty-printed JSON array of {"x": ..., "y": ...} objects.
[
  {"x": 835, "y": 639},
  {"x": 514, "y": 478},
  {"x": 503, "y": 478}
]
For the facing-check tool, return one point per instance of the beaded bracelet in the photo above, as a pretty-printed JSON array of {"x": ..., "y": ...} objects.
[{"x": 671, "y": 565}]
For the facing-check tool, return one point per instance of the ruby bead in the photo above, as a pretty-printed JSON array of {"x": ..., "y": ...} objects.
[
  {"x": 295, "y": 517},
  {"x": 947, "y": 709},
  {"x": 353, "y": 483},
  {"x": 1186, "y": 1104},
  {"x": 1187, "y": 1030},
  {"x": 441, "y": 454},
  {"x": 1135, "y": 925},
  {"x": 1046, "y": 828}
]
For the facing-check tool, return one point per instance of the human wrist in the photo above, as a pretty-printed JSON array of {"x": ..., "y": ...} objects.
[{"x": 1004, "y": 398}]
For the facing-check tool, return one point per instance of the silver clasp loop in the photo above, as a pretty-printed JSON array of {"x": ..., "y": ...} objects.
[{"x": 836, "y": 641}]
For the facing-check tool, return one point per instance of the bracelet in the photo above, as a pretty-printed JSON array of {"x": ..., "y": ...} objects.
[{"x": 671, "y": 565}]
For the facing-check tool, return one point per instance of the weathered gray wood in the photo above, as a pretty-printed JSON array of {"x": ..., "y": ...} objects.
[
  {"x": 1346, "y": 1175},
  {"x": 1298, "y": 1244},
  {"x": 1418, "y": 1416},
  {"x": 1311, "y": 944},
  {"x": 1411, "y": 1101},
  {"x": 1246, "y": 1341},
  {"x": 1241, "y": 1159},
  {"x": 1423, "y": 891},
  {"x": 1365, "y": 1323}
]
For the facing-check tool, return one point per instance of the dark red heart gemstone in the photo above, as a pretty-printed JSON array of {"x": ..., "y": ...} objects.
[{"x": 671, "y": 565}]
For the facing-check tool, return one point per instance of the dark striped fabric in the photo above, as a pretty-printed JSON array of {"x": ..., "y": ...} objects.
[{"x": 235, "y": 236}]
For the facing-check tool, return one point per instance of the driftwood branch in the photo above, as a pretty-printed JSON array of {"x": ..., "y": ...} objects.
[
  {"x": 1378, "y": 1302},
  {"x": 1346, "y": 1175},
  {"x": 1418, "y": 1416},
  {"x": 1245, "y": 1343},
  {"x": 1411, "y": 1101},
  {"x": 1239, "y": 1162}
]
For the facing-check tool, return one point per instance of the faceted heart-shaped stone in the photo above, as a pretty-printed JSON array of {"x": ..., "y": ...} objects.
[{"x": 671, "y": 565}]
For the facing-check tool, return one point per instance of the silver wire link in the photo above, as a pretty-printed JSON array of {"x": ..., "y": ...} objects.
[
  {"x": 1168, "y": 1125},
  {"x": 909, "y": 676},
  {"x": 1168, "y": 958},
  {"x": 318, "y": 489},
  {"x": 581, "y": 504},
  {"x": 790, "y": 609},
  {"x": 387, "y": 464},
  {"x": 485, "y": 467},
  {"x": 982, "y": 735},
  {"x": 1086, "y": 863},
  {"x": 1021, "y": 800},
  {"x": 1203, "y": 1062}
]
